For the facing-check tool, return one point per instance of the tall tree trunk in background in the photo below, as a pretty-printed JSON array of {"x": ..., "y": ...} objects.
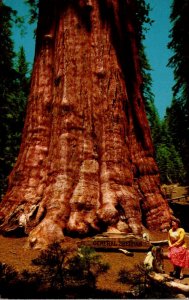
[{"x": 86, "y": 160}]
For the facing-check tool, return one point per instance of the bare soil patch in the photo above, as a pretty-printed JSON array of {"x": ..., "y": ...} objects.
[{"x": 13, "y": 252}]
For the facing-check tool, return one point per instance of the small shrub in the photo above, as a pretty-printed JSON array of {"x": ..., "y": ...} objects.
[
  {"x": 52, "y": 265},
  {"x": 86, "y": 265}
]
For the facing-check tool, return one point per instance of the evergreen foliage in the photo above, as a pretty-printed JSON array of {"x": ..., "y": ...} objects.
[
  {"x": 143, "y": 23},
  {"x": 61, "y": 274},
  {"x": 177, "y": 127},
  {"x": 86, "y": 265},
  {"x": 155, "y": 123},
  {"x": 58, "y": 270},
  {"x": 178, "y": 114},
  {"x": 14, "y": 85},
  {"x": 168, "y": 136},
  {"x": 168, "y": 159},
  {"x": 170, "y": 164},
  {"x": 33, "y": 4},
  {"x": 52, "y": 265}
]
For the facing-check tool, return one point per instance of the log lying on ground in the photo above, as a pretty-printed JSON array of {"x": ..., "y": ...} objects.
[{"x": 170, "y": 282}]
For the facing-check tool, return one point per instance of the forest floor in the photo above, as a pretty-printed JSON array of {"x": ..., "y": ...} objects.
[{"x": 13, "y": 252}]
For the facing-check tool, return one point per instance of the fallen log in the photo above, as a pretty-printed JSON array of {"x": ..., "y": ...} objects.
[{"x": 170, "y": 282}]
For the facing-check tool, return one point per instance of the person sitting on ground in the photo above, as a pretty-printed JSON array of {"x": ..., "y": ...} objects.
[
  {"x": 154, "y": 260},
  {"x": 177, "y": 252}
]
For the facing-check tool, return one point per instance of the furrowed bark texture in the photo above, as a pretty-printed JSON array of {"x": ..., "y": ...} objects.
[{"x": 86, "y": 160}]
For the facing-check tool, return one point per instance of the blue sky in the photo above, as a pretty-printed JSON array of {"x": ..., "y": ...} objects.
[
  {"x": 155, "y": 43},
  {"x": 27, "y": 40},
  {"x": 158, "y": 53}
]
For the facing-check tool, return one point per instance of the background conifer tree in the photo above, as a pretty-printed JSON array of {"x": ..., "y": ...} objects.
[
  {"x": 178, "y": 114},
  {"x": 14, "y": 85}
]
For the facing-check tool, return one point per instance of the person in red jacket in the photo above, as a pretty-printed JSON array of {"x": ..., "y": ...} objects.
[{"x": 178, "y": 253}]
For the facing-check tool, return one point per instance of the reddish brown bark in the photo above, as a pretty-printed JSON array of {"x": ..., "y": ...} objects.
[{"x": 86, "y": 160}]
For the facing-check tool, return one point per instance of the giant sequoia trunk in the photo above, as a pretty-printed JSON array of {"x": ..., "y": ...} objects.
[{"x": 86, "y": 160}]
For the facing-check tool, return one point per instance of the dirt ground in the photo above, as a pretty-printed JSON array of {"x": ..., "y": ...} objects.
[{"x": 14, "y": 253}]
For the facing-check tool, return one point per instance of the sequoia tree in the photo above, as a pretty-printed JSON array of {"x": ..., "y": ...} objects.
[{"x": 86, "y": 162}]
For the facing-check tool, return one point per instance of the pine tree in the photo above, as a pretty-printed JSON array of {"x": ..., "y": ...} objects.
[
  {"x": 168, "y": 159},
  {"x": 7, "y": 86},
  {"x": 13, "y": 91},
  {"x": 22, "y": 88},
  {"x": 143, "y": 24},
  {"x": 23, "y": 71},
  {"x": 180, "y": 64},
  {"x": 176, "y": 126},
  {"x": 167, "y": 154}
]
